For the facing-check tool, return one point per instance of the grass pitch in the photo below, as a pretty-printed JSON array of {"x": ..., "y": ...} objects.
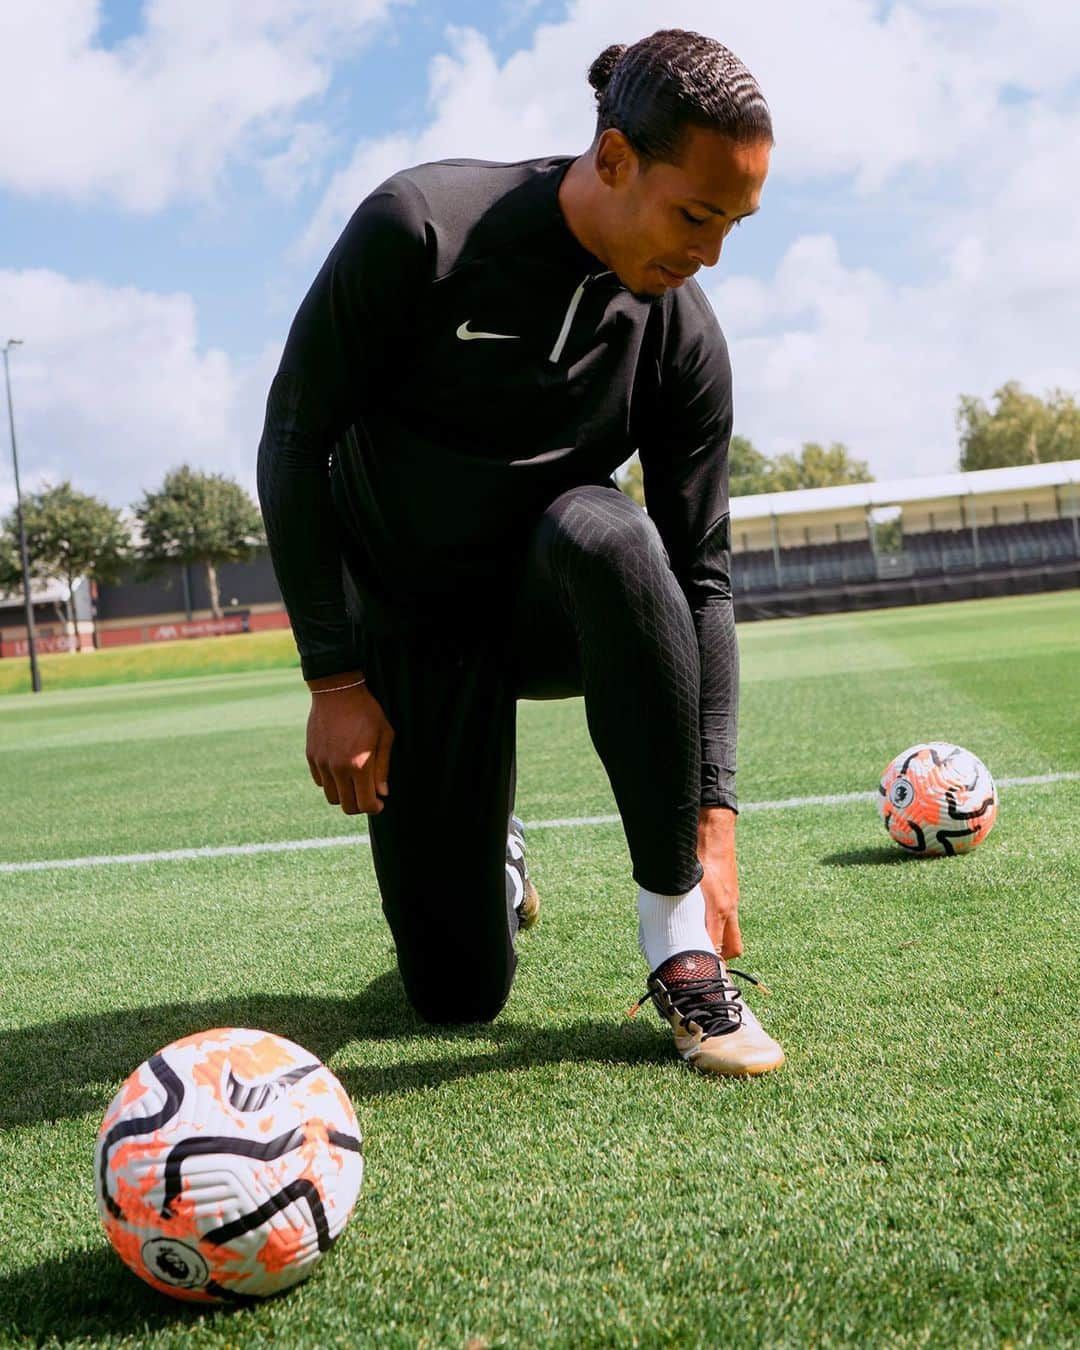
[
  {"x": 186, "y": 657},
  {"x": 909, "y": 1178}
]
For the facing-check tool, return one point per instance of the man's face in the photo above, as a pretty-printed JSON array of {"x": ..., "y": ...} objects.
[{"x": 668, "y": 220}]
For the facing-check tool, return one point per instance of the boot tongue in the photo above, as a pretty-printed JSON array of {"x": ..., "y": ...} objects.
[{"x": 687, "y": 966}]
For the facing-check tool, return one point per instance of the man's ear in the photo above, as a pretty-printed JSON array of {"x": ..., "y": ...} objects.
[{"x": 615, "y": 158}]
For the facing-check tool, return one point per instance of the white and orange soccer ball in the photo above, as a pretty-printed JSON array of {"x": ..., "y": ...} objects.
[
  {"x": 938, "y": 798},
  {"x": 227, "y": 1165}
]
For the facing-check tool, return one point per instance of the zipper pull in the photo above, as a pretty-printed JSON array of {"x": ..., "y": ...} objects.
[
  {"x": 568, "y": 321},
  {"x": 567, "y": 324}
]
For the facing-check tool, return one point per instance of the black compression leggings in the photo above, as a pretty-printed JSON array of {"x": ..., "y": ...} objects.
[{"x": 598, "y": 612}]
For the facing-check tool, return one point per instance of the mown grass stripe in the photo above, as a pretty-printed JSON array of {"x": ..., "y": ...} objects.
[{"x": 561, "y": 823}]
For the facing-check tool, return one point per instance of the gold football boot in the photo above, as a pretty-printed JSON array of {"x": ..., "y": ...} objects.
[{"x": 715, "y": 1032}]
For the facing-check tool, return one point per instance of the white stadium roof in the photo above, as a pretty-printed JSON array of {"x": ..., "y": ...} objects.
[
  {"x": 895, "y": 491},
  {"x": 41, "y": 593}
]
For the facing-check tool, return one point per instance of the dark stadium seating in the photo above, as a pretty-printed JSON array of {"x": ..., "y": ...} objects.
[
  {"x": 998, "y": 546},
  {"x": 807, "y": 565},
  {"x": 930, "y": 553}
]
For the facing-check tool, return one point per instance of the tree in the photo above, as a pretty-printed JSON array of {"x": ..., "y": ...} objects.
[
  {"x": 199, "y": 518},
  {"x": 818, "y": 467},
  {"x": 1021, "y": 429},
  {"x": 69, "y": 535},
  {"x": 749, "y": 471},
  {"x": 631, "y": 480},
  {"x": 10, "y": 565}
]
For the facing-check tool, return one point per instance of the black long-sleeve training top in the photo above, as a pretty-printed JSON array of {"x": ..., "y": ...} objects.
[{"x": 459, "y": 361}]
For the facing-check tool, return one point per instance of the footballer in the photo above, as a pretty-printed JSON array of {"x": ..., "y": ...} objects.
[{"x": 484, "y": 346}]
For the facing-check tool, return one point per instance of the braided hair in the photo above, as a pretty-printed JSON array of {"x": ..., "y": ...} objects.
[{"x": 653, "y": 90}]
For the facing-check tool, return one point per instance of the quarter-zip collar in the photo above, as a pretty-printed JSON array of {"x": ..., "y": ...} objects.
[
  {"x": 530, "y": 219},
  {"x": 572, "y": 308}
]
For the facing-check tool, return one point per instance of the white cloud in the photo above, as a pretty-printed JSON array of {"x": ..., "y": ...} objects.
[
  {"x": 850, "y": 95},
  {"x": 111, "y": 389},
  {"x": 960, "y": 114},
  {"x": 826, "y": 350},
  {"x": 297, "y": 166},
  {"x": 162, "y": 115}
]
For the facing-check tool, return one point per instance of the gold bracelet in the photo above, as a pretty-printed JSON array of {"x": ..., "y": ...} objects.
[{"x": 339, "y": 687}]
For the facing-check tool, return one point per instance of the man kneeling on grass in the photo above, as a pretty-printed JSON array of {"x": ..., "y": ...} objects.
[{"x": 484, "y": 346}]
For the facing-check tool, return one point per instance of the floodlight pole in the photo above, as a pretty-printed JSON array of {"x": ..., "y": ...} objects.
[{"x": 35, "y": 676}]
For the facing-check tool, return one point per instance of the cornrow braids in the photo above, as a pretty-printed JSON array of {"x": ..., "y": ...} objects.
[{"x": 652, "y": 90}]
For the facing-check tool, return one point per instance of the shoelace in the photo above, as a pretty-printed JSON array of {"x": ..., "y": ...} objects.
[{"x": 690, "y": 998}]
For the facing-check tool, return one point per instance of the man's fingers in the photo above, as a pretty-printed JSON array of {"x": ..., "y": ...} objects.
[
  {"x": 347, "y": 794},
  {"x": 355, "y": 790},
  {"x": 350, "y": 786},
  {"x": 715, "y": 926},
  {"x": 364, "y": 781},
  {"x": 381, "y": 763},
  {"x": 724, "y": 932},
  {"x": 731, "y": 941}
]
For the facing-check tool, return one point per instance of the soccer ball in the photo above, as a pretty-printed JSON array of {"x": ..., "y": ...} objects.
[
  {"x": 227, "y": 1165},
  {"x": 938, "y": 799}
]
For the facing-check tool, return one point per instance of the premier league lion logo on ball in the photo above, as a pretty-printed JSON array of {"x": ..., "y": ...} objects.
[
  {"x": 937, "y": 799},
  {"x": 227, "y": 1165}
]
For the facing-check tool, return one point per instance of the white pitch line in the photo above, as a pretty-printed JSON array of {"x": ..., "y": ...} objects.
[
  {"x": 184, "y": 854},
  {"x": 561, "y": 823}
]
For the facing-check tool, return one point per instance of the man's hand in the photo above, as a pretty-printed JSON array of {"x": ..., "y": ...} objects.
[
  {"x": 348, "y": 744},
  {"x": 720, "y": 884}
]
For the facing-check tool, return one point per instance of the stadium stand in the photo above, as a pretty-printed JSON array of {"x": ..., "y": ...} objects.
[
  {"x": 806, "y": 565},
  {"x": 865, "y": 545}
]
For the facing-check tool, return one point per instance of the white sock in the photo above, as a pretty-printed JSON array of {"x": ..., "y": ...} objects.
[{"x": 669, "y": 924}]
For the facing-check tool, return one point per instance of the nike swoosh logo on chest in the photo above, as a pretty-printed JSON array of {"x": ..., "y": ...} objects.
[{"x": 466, "y": 334}]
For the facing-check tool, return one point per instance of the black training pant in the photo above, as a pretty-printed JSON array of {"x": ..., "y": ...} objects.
[{"x": 599, "y": 612}]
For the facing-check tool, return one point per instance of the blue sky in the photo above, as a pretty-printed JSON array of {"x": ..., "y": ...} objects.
[{"x": 175, "y": 173}]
